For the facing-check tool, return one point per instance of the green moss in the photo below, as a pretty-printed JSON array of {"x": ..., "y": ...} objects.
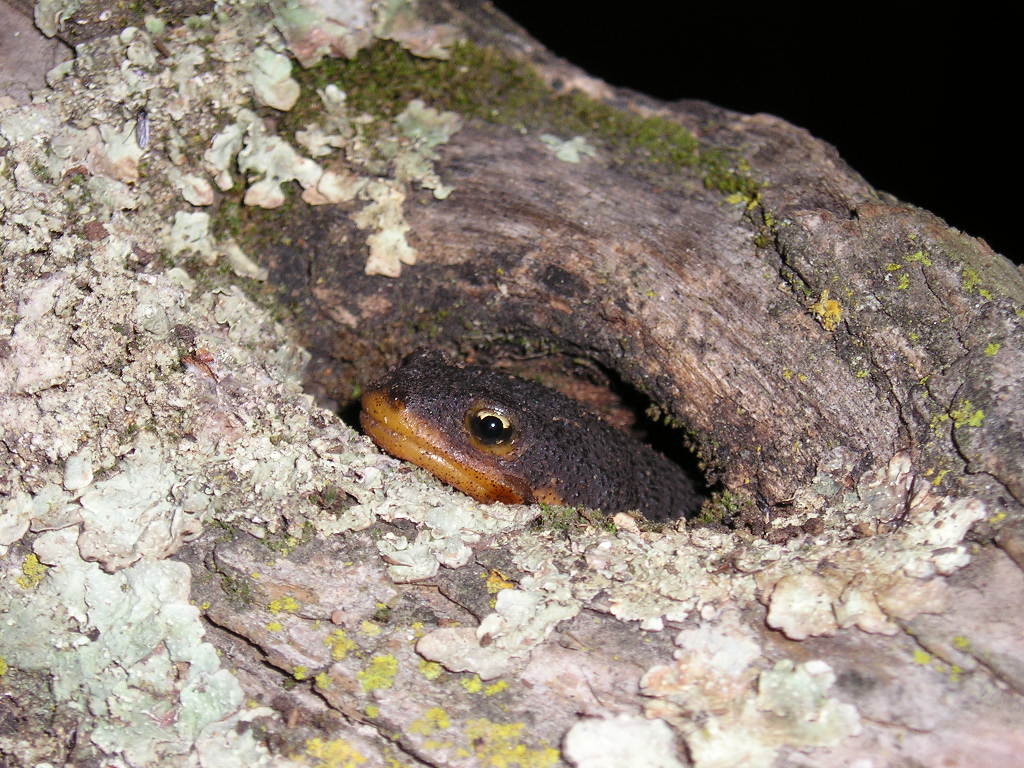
[
  {"x": 723, "y": 507},
  {"x": 238, "y": 589},
  {"x": 330, "y": 498},
  {"x": 561, "y": 518},
  {"x": 382, "y": 613},
  {"x": 484, "y": 83},
  {"x": 660, "y": 415},
  {"x": 283, "y": 544}
]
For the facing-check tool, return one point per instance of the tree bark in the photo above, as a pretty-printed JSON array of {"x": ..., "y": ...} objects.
[
  {"x": 847, "y": 366},
  {"x": 812, "y": 316}
]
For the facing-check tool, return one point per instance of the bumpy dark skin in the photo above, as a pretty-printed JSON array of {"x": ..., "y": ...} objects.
[{"x": 497, "y": 437}]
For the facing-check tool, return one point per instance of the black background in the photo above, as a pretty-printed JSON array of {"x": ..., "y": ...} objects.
[{"x": 924, "y": 109}]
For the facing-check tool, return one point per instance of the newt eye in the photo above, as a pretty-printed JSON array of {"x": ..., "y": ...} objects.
[{"x": 490, "y": 430}]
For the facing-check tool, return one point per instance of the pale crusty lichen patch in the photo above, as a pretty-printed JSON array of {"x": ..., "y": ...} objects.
[{"x": 137, "y": 404}]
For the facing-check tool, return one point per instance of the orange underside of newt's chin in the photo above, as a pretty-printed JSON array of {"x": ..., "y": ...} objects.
[{"x": 404, "y": 435}]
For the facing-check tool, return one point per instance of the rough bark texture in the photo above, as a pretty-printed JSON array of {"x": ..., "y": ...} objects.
[{"x": 845, "y": 363}]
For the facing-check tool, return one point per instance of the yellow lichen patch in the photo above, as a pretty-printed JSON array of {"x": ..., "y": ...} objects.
[
  {"x": 336, "y": 753},
  {"x": 494, "y": 688},
  {"x": 3, "y": 666},
  {"x": 372, "y": 710},
  {"x": 322, "y": 681},
  {"x": 433, "y": 719},
  {"x": 430, "y": 669},
  {"x": 919, "y": 257},
  {"x": 472, "y": 684},
  {"x": 922, "y": 657},
  {"x": 961, "y": 643},
  {"x": 370, "y": 628},
  {"x": 903, "y": 283},
  {"x": 971, "y": 282},
  {"x": 274, "y": 626},
  {"x": 284, "y": 605},
  {"x": 966, "y": 415},
  {"x": 497, "y": 581},
  {"x": 32, "y": 572},
  {"x": 498, "y": 745},
  {"x": 827, "y": 311},
  {"x": 992, "y": 348},
  {"x": 379, "y": 674},
  {"x": 340, "y": 644},
  {"x": 300, "y": 672}
]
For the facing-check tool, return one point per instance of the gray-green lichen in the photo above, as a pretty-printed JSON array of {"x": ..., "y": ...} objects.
[
  {"x": 569, "y": 150},
  {"x": 136, "y": 406}
]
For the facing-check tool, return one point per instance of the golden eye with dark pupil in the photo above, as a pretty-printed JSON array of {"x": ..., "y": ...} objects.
[{"x": 490, "y": 428}]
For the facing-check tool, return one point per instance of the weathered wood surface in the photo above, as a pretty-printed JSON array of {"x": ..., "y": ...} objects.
[{"x": 701, "y": 304}]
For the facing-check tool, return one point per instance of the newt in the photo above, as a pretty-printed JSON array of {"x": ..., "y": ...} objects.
[{"x": 497, "y": 437}]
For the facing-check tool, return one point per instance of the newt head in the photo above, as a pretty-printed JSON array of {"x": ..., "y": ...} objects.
[
  {"x": 447, "y": 420},
  {"x": 497, "y": 437}
]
